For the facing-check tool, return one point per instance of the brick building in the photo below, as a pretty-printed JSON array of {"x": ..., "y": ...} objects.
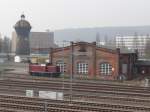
[{"x": 90, "y": 60}]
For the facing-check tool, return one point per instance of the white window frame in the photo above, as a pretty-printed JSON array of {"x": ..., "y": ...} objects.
[
  {"x": 62, "y": 66},
  {"x": 82, "y": 68},
  {"x": 105, "y": 68}
]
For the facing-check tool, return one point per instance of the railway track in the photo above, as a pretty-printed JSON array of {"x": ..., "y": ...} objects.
[
  {"x": 108, "y": 84},
  {"x": 2, "y": 109},
  {"x": 95, "y": 96},
  {"x": 88, "y": 97},
  {"x": 85, "y": 97},
  {"x": 76, "y": 87},
  {"x": 85, "y": 85},
  {"x": 31, "y": 103},
  {"x": 43, "y": 79}
]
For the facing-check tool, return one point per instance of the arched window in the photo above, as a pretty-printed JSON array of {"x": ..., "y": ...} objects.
[
  {"x": 105, "y": 69},
  {"x": 82, "y": 68},
  {"x": 62, "y": 65}
]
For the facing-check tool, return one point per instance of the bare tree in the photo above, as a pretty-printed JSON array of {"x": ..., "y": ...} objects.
[
  {"x": 6, "y": 45},
  {"x": 97, "y": 39},
  {"x": 106, "y": 40},
  {"x": 111, "y": 43},
  {"x": 1, "y": 44}
]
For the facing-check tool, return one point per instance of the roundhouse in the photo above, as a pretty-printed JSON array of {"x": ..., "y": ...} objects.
[{"x": 83, "y": 59}]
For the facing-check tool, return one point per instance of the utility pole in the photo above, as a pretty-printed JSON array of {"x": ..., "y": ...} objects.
[
  {"x": 71, "y": 75},
  {"x": 45, "y": 107},
  {"x": 63, "y": 65}
]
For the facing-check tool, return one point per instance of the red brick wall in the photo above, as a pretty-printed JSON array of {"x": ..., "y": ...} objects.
[
  {"x": 62, "y": 55},
  {"x": 111, "y": 58},
  {"x": 93, "y": 56}
]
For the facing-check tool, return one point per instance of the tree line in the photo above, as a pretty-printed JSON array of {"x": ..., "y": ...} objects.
[
  {"x": 139, "y": 42},
  {"x": 5, "y": 45}
]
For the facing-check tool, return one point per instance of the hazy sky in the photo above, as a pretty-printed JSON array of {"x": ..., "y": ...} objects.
[{"x": 60, "y": 14}]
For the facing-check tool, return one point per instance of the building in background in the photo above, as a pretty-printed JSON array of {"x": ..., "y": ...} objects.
[
  {"x": 134, "y": 42},
  {"x": 22, "y": 28},
  {"x": 41, "y": 42}
]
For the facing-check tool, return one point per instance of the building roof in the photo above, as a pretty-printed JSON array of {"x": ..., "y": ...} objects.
[
  {"x": 22, "y": 23},
  {"x": 122, "y": 51},
  {"x": 126, "y": 51},
  {"x": 143, "y": 63},
  {"x": 101, "y": 47}
]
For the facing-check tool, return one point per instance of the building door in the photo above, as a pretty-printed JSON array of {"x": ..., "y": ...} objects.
[{"x": 124, "y": 68}]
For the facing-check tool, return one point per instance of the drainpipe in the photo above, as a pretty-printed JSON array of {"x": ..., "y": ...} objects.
[{"x": 118, "y": 52}]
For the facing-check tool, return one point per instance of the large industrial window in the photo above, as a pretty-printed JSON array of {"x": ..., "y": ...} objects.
[
  {"x": 82, "y": 68},
  {"x": 105, "y": 69},
  {"x": 62, "y": 66}
]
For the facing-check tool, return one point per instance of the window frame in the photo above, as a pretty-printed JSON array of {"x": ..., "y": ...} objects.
[
  {"x": 82, "y": 68},
  {"x": 62, "y": 65},
  {"x": 105, "y": 68}
]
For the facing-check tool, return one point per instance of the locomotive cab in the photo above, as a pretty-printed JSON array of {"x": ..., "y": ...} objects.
[{"x": 43, "y": 70}]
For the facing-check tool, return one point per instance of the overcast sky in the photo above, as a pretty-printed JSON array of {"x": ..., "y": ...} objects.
[{"x": 60, "y": 14}]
